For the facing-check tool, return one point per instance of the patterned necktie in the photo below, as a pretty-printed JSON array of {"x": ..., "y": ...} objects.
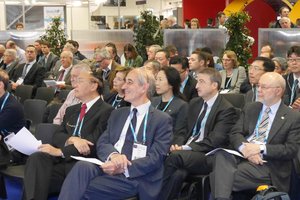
[
  {"x": 263, "y": 126},
  {"x": 128, "y": 144}
]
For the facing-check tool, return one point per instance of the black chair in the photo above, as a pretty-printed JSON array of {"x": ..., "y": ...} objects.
[
  {"x": 45, "y": 93},
  {"x": 24, "y": 92},
  {"x": 200, "y": 183},
  {"x": 237, "y": 100},
  {"x": 34, "y": 110},
  {"x": 63, "y": 94},
  {"x": 9, "y": 88},
  {"x": 53, "y": 110},
  {"x": 45, "y": 132}
]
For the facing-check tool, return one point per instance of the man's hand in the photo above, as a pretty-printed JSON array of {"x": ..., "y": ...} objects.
[
  {"x": 120, "y": 161},
  {"x": 250, "y": 149},
  {"x": 61, "y": 86},
  {"x": 175, "y": 147},
  {"x": 110, "y": 168},
  {"x": 296, "y": 105},
  {"x": 82, "y": 145},
  {"x": 47, "y": 148},
  {"x": 14, "y": 85},
  {"x": 256, "y": 159}
]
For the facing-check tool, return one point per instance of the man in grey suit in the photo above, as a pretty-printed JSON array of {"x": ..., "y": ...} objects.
[
  {"x": 11, "y": 61},
  {"x": 266, "y": 130},
  {"x": 48, "y": 60},
  {"x": 130, "y": 167}
]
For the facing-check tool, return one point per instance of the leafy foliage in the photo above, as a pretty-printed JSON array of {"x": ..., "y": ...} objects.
[
  {"x": 143, "y": 36},
  {"x": 55, "y": 35},
  {"x": 238, "y": 32}
]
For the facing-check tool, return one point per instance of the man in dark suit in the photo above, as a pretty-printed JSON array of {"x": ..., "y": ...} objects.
[
  {"x": 172, "y": 21},
  {"x": 29, "y": 73},
  {"x": 209, "y": 21},
  {"x": 188, "y": 83},
  {"x": 48, "y": 60},
  {"x": 221, "y": 20},
  {"x": 126, "y": 172},
  {"x": 38, "y": 48},
  {"x": 11, "y": 61},
  {"x": 82, "y": 125},
  {"x": 76, "y": 52},
  {"x": 266, "y": 130},
  {"x": 210, "y": 118}
]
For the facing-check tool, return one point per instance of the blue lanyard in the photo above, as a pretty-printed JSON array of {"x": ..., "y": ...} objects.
[
  {"x": 72, "y": 101},
  {"x": 202, "y": 124},
  {"x": 183, "y": 86},
  {"x": 144, "y": 131},
  {"x": 113, "y": 105},
  {"x": 257, "y": 126},
  {"x": 79, "y": 131},
  {"x": 255, "y": 94},
  {"x": 130, "y": 63},
  {"x": 4, "y": 101},
  {"x": 166, "y": 105},
  {"x": 229, "y": 80},
  {"x": 292, "y": 94}
]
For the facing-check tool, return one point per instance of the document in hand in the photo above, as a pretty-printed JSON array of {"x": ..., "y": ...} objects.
[
  {"x": 91, "y": 160},
  {"x": 24, "y": 142}
]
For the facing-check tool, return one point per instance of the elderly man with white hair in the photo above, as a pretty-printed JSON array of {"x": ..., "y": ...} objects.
[{"x": 172, "y": 20}]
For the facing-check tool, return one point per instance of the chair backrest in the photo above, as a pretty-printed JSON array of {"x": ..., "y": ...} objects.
[
  {"x": 237, "y": 100},
  {"x": 24, "y": 92},
  {"x": 45, "y": 132},
  {"x": 63, "y": 94},
  {"x": 54, "y": 108},
  {"x": 9, "y": 87},
  {"x": 45, "y": 93},
  {"x": 34, "y": 110}
]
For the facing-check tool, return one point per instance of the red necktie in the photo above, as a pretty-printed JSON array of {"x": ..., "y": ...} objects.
[
  {"x": 61, "y": 75},
  {"x": 82, "y": 112}
]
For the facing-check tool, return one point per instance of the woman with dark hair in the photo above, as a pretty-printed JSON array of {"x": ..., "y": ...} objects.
[
  {"x": 116, "y": 97},
  {"x": 133, "y": 59},
  {"x": 171, "y": 101}
]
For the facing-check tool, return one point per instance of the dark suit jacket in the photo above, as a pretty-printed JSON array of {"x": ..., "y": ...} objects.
[
  {"x": 250, "y": 96},
  {"x": 80, "y": 55},
  {"x": 208, "y": 27},
  {"x": 110, "y": 98},
  {"x": 34, "y": 76},
  {"x": 109, "y": 77},
  {"x": 94, "y": 124},
  {"x": 176, "y": 26},
  {"x": 190, "y": 90},
  {"x": 282, "y": 143},
  {"x": 177, "y": 109},
  {"x": 51, "y": 61},
  {"x": 12, "y": 68},
  {"x": 147, "y": 171},
  {"x": 221, "y": 119},
  {"x": 289, "y": 79}
]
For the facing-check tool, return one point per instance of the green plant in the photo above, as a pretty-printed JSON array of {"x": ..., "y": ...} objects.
[
  {"x": 239, "y": 41},
  {"x": 55, "y": 35},
  {"x": 144, "y": 35}
]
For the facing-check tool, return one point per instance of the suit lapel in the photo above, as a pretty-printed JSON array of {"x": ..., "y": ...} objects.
[
  {"x": 31, "y": 70},
  {"x": 223, "y": 74},
  {"x": 255, "y": 115},
  {"x": 279, "y": 120},
  {"x": 234, "y": 77},
  {"x": 195, "y": 115},
  {"x": 93, "y": 110},
  {"x": 212, "y": 113}
]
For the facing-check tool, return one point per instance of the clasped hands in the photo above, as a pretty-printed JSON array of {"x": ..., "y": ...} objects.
[
  {"x": 251, "y": 152},
  {"x": 117, "y": 164}
]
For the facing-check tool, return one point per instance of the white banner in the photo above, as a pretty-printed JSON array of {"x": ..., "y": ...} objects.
[{"x": 50, "y": 12}]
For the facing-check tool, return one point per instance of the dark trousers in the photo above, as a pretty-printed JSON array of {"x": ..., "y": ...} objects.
[
  {"x": 88, "y": 181},
  {"x": 232, "y": 173},
  {"x": 177, "y": 167},
  {"x": 44, "y": 174}
]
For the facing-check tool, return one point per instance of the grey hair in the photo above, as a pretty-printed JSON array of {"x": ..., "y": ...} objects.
[
  {"x": 172, "y": 18},
  {"x": 72, "y": 48},
  {"x": 69, "y": 53},
  {"x": 103, "y": 53},
  {"x": 156, "y": 47},
  {"x": 83, "y": 66},
  {"x": 156, "y": 64},
  {"x": 12, "y": 53},
  {"x": 2, "y": 47},
  {"x": 143, "y": 75},
  {"x": 165, "y": 22},
  {"x": 285, "y": 18},
  {"x": 282, "y": 62}
]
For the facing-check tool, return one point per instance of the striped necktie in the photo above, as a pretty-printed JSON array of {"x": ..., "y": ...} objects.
[{"x": 263, "y": 126}]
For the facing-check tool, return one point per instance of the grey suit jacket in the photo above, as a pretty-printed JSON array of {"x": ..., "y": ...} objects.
[
  {"x": 282, "y": 143},
  {"x": 56, "y": 73},
  {"x": 148, "y": 171},
  {"x": 239, "y": 75},
  {"x": 177, "y": 109},
  {"x": 51, "y": 61},
  {"x": 11, "y": 68}
]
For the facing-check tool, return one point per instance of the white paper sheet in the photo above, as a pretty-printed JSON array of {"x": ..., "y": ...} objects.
[
  {"x": 25, "y": 142},
  {"x": 91, "y": 160},
  {"x": 51, "y": 83}
]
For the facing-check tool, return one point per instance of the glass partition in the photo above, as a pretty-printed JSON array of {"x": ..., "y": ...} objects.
[
  {"x": 186, "y": 41},
  {"x": 89, "y": 39},
  {"x": 280, "y": 39}
]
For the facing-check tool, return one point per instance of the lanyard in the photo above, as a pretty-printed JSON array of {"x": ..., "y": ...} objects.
[
  {"x": 80, "y": 126},
  {"x": 202, "y": 124},
  {"x": 72, "y": 101},
  {"x": 229, "y": 80},
  {"x": 130, "y": 63},
  {"x": 4, "y": 101},
  {"x": 257, "y": 126},
  {"x": 113, "y": 105},
  {"x": 167, "y": 104},
  {"x": 255, "y": 93},
  {"x": 183, "y": 86},
  {"x": 292, "y": 94},
  {"x": 145, "y": 126}
]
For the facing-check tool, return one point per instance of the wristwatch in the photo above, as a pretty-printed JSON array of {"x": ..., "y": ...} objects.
[{"x": 262, "y": 148}]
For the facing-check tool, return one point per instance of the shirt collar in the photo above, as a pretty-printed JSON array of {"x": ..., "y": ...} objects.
[
  {"x": 142, "y": 108},
  {"x": 66, "y": 70},
  {"x": 296, "y": 78},
  {"x": 31, "y": 63},
  {"x": 273, "y": 108},
  {"x": 91, "y": 103},
  {"x": 211, "y": 102}
]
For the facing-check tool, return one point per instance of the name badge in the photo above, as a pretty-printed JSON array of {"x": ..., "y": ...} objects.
[
  {"x": 7, "y": 139},
  {"x": 139, "y": 151},
  {"x": 190, "y": 139},
  {"x": 20, "y": 81},
  {"x": 224, "y": 91}
]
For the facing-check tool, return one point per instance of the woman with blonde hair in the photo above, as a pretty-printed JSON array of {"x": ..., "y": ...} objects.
[{"x": 195, "y": 23}]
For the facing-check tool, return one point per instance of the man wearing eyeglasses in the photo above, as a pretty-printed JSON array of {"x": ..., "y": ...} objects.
[
  {"x": 259, "y": 66},
  {"x": 29, "y": 73},
  {"x": 82, "y": 125},
  {"x": 267, "y": 135}
]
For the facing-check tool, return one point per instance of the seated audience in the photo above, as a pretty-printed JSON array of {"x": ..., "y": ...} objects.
[
  {"x": 153, "y": 66},
  {"x": 211, "y": 58},
  {"x": 133, "y": 59},
  {"x": 111, "y": 48},
  {"x": 280, "y": 65},
  {"x": 135, "y": 171},
  {"x": 267, "y": 51},
  {"x": 38, "y": 48},
  {"x": 172, "y": 50},
  {"x": 210, "y": 118},
  {"x": 11, "y": 61},
  {"x": 49, "y": 59},
  {"x": 29, "y": 73},
  {"x": 267, "y": 131},
  {"x": 71, "y": 47},
  {"x": 171, "y": 101},
  {"x": 116, "y": 97},
  {"x": 20, "y": 52},
  {"x": 152, "y": 51},
  {"x": 163, "y": 57},
  {"x": 188, "y": 83},
  {"x": 79, "y": 132},
  {"x": 172, "y": 21},
  {"x": 195, "y": 23},
  {"x": 233, "y": 75},
  {"x": 283, "y": 12},
  {"x": 197, "y": 62},
  {"x": 77, "y": 53}
]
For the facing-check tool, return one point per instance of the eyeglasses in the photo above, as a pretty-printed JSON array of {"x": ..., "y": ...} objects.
[
  {"x": 263, "y": 87},
  {"x": 100, "y": 61},
  {"x": 182, "y": 71},
  {"x": 254, "y": 68},
  {"x": 226, "y": 60},
  {"x": 30, "y": 51},
  {"x": 81, "y": 81},
  {"x": 291, "y": 60}
]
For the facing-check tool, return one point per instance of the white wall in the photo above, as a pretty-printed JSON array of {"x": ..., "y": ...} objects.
[
  {"x": 77, "y": 19},
  {"x": 2, "y": 17}
]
